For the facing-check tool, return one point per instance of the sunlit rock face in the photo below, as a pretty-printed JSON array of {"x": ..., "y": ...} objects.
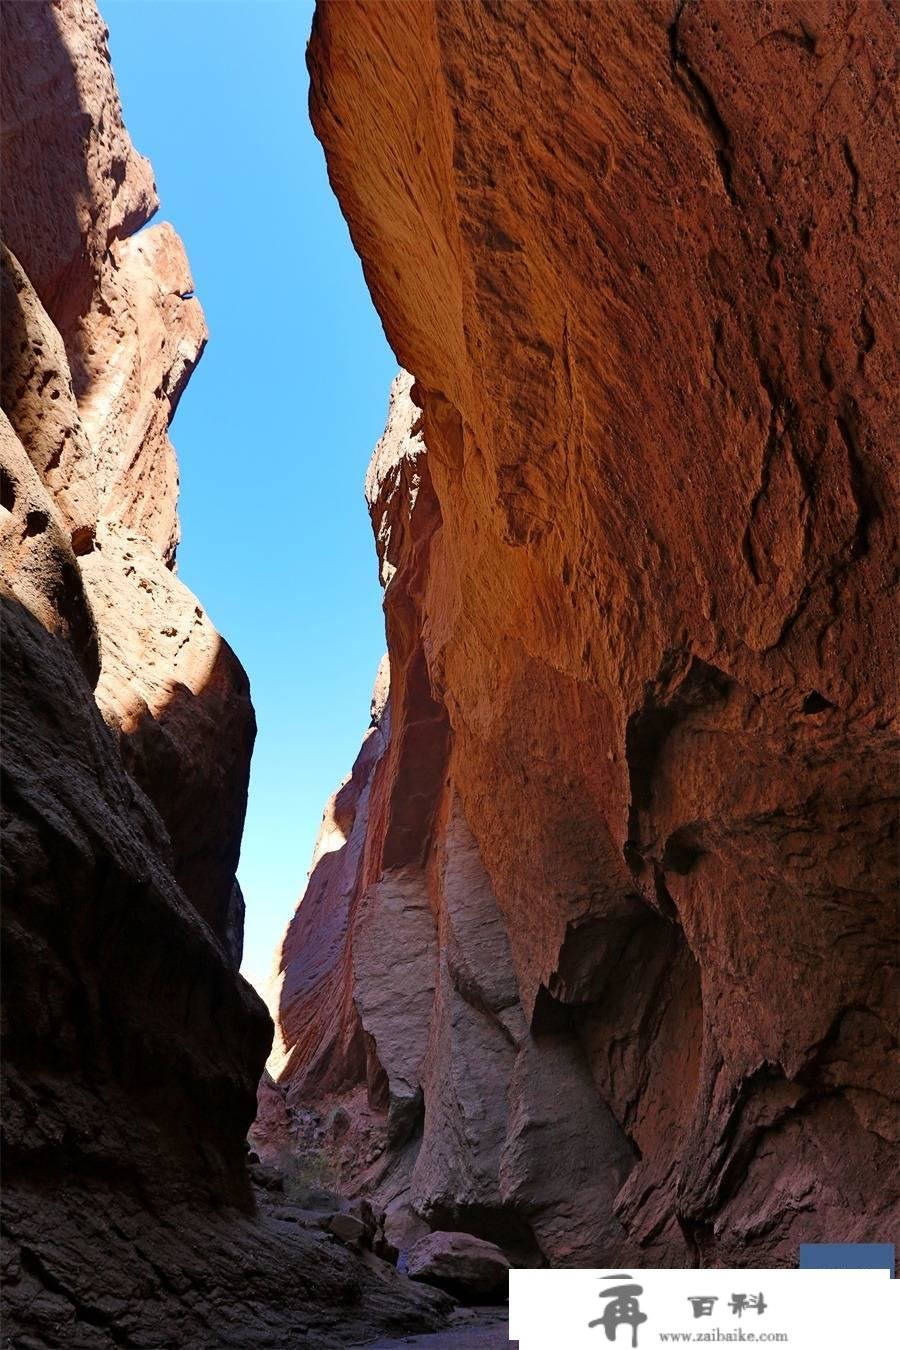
[
  {"x": 131, "y": 1047},
  {"x": 609, "y": 966}
]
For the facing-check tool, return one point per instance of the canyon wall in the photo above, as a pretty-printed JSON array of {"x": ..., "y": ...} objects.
[
  {"x": 131, "y": 1046},
  {"x": 598, "y": 953}
]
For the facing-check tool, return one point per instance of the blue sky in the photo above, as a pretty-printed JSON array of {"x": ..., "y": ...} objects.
[{"x": 276, "y": 427}]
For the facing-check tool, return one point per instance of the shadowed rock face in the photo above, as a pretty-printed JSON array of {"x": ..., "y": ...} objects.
[
  {"x": 89, "y": 396},
  {"x": 131, "y": 1047},
  {"x": 631, "y": 822}
]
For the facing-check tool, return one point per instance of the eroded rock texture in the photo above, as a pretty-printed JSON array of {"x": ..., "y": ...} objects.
[
  {"x": 131, "y": 1047},
  {"x": 602, "y": 955}
]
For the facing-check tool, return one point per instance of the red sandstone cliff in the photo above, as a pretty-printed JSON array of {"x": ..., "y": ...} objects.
[
  {"x": 131, "y": 1047},
  {"x": 597, "y": 956}
]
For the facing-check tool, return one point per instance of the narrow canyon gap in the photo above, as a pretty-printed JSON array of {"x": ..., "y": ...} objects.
[{"x": 597, "y": 957}]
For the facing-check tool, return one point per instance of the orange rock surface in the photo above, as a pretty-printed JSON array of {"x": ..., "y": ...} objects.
[{"x": 602, "y": 964}]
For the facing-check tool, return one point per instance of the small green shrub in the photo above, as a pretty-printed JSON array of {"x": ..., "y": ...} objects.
[{"x": 309, "y": 1179}]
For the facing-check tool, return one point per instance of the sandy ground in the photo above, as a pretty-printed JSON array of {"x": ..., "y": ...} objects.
[{"x": 472, "y": 1329}]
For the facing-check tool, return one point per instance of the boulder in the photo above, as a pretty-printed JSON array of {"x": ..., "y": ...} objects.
[
  {"x": 348, "y": 1228},
  {"x": 460, "y": 1263}
]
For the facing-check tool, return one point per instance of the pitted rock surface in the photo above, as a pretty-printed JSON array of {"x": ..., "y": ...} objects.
[{"x": 635, "y": 512}]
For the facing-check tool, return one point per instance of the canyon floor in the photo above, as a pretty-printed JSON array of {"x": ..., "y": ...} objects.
[
  {"x": 484, "y": 1329},
  {"x": 597, "y": 960}
]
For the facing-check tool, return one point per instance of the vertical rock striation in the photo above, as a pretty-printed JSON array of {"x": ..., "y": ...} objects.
[
  {"x": 605, "y": 963},
  {"x": 131, "y": 1047}
]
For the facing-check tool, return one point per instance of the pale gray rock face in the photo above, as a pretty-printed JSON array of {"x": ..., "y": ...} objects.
[
  {"x": 394, "y": 945},
  {"x": 397, "y": 1005}
]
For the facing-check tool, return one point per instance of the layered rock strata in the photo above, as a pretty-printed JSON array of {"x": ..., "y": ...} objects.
[
  {"x": 131, "y": 1047},
  {"x": 598, "y": 959}
]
